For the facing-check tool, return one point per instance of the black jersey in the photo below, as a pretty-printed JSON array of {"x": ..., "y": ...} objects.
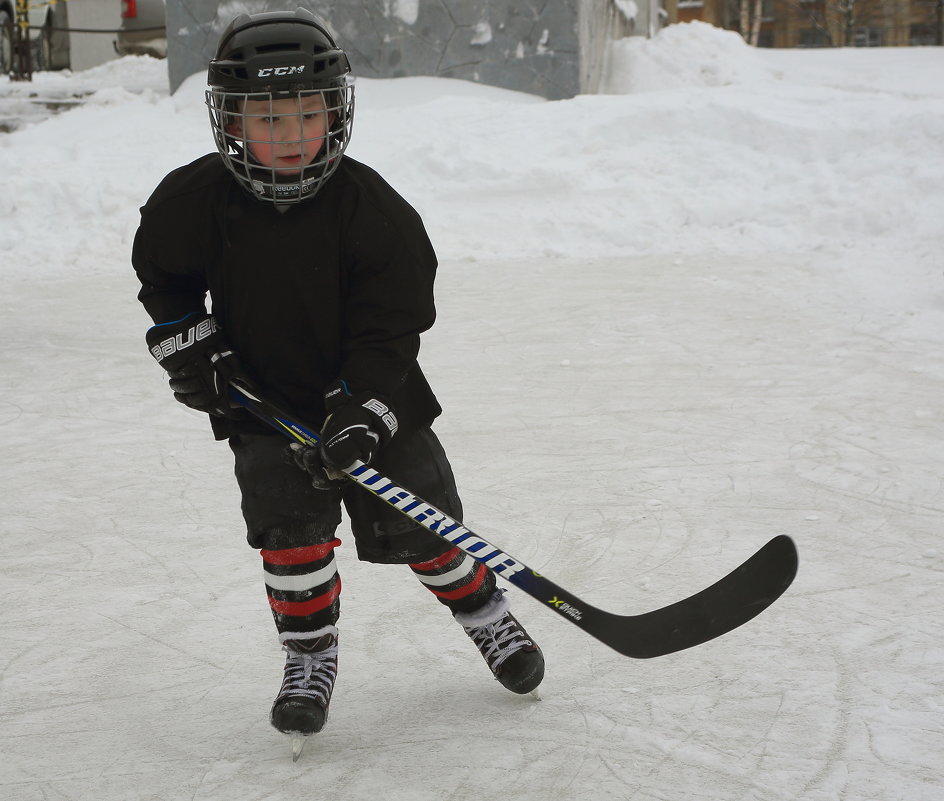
[{"x": 339, "y": 286}]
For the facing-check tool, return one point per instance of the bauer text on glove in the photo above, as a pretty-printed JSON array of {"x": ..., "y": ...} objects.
[{"x": 197, "y": 360}]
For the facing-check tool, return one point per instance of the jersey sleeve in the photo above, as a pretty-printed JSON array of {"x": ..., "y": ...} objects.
[
  {"x": 168, "y": 290},
  {"x": 174, "y": 243},
  {"x": 389, "y": 271}
]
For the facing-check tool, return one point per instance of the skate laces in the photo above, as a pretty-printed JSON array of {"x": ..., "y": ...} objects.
[
  {"x": 499, "y": 640},
  {"x": 310, "y": 673}
]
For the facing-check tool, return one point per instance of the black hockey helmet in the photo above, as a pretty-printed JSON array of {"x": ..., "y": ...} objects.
[
  {"x": 277, "y": 50},
  {"x": 278, "y": 56}
]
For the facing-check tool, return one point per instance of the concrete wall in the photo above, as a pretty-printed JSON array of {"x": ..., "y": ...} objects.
[
  {"x": 600, "y": 22},
  {"x": 551, "y": 48}
]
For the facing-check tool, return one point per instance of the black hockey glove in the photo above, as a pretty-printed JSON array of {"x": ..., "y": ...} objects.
[
  {"x": 357, "y": 426},
  {"x": 198, "y": 362},
  {"x": 309, "y": 459}
]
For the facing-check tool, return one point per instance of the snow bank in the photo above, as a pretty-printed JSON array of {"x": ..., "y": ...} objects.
[
  {"x": 710, "y": 145},
  {"x": 685, "y": 55},
  {"x": 135, "y": 73}
]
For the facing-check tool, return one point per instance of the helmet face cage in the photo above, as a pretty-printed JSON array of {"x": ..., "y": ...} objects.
[
  {"x": 281, "y": 104},
  {"x": 246, "y": 124}
]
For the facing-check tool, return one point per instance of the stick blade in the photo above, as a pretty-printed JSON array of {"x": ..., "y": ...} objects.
[{"x": 731, "y": 602}]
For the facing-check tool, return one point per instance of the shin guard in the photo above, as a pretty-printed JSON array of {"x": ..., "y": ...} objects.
[
  {"x": 303, "y": 586},
  {"x": 457, "y": 580}
]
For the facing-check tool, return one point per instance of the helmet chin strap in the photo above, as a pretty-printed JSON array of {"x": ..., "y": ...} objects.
[{"x": 296, "y": 186}]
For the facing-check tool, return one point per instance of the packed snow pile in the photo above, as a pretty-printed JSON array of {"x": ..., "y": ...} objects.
[
  {"x": 688, "y": 54},
  {"x": 711, "y": 146},
  {"x": 134, "y": 73}
]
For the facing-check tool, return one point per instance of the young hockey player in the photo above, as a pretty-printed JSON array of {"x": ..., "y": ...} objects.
[{"x": 320, "y": 278}]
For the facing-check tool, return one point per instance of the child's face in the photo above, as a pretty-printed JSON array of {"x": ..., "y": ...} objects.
[{"x": 285, "y": 134}]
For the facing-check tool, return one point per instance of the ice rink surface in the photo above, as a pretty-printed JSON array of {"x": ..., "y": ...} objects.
[{"x": 647, "y": 370}]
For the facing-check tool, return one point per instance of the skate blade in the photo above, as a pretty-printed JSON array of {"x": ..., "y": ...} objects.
[{"x": 298, "y": 744}]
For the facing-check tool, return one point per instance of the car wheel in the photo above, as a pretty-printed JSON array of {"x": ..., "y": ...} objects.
[
  {"x": 6, "y": 43},
  {"x": 43, "y": 45}
]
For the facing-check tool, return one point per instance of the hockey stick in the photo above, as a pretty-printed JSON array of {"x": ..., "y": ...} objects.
[{"x": 737, "y": 598}]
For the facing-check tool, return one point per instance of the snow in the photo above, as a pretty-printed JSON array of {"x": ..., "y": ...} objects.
[
  {"x": 675, "y": 321},
  {"x": 406, "y": 11},
  {"x": 627, "y": 8},
  {"x": 481, "y": 33}
]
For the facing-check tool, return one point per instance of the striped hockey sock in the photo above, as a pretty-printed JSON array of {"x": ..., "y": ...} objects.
[
  {"x": 457, "y": 580},
  {"x": 303, "y": 586}
]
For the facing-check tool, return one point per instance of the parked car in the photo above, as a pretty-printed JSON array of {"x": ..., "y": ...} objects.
[
  {"x": 6, "y": 37},
  {"x": 143, "y": 29},
  {"x": 66, "y": 35},
  {"x": 50, "y": 48}
]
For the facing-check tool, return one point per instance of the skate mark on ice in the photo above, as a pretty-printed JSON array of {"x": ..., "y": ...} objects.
[
  {"x": 169, "y": 645},
  {"x": 839, "y": 742},
  {"x": 9, "y": 412}
]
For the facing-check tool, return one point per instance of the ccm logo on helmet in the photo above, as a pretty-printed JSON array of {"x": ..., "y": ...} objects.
[{"x": 268, "y": 72}]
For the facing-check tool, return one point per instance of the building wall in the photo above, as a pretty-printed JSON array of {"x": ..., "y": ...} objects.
[
  {"x": 600, "y": 22},
  {"x": 704, "y": 10},
  {"x": 818, "y": 23}
]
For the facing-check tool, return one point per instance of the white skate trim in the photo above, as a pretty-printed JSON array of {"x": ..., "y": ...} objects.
[
  {"x": 497, "y": 607},
  {"x": 306, "y": 581},
  {"x": 307, "y": 635},
  {"x": 465, "y": 569}
]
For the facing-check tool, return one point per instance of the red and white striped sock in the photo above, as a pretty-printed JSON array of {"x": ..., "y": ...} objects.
[
  {"x": 457, "y": 580},
  {"x": 303, "y": 586}
]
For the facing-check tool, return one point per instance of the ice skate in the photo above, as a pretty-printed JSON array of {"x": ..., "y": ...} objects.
[
  {"x": 311, "y": 666},
  {"x": 512, "y": 656}
]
